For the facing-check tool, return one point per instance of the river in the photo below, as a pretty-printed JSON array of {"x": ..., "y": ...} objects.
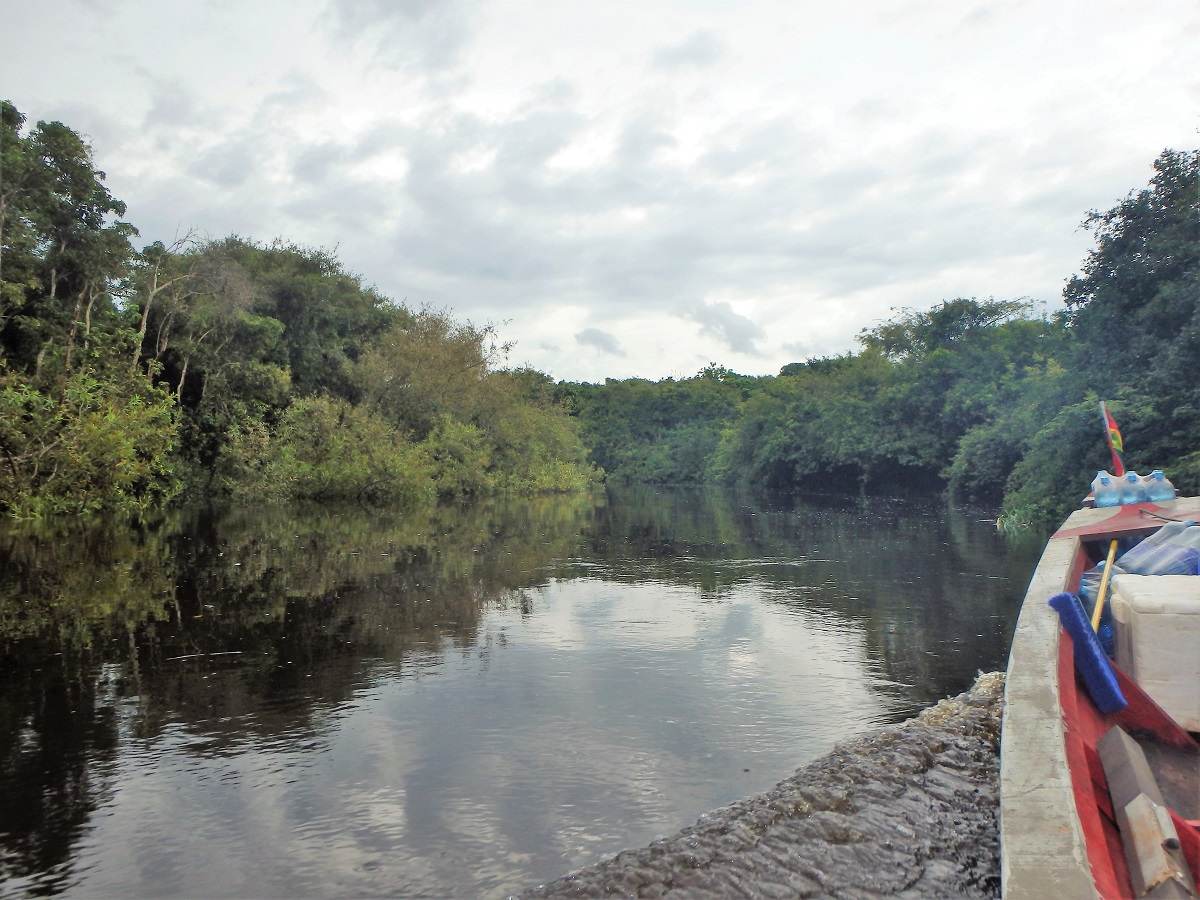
[{"x": 334, "y": 701}]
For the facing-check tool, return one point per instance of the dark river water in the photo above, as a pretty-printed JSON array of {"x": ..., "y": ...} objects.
[{"x": 327, "y": 702}]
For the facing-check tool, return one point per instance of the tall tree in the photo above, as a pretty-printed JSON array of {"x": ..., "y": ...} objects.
[
  {"x": 328, "y": 315},
  {"x": 1135, "y": 307},
  {"x": 65, "y": 249},
  {"x": 1136, "y": 302},
  {"x": 429, "y": 367}
]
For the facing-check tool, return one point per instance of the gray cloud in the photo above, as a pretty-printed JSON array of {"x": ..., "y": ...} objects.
[
  {"x": 504, "y": 233},
  {"x": 228, "y": 165},
  {"x": 700, "y": 49},
  {"x": 419, "y": 35},
  {"x": 315, "y": 164},
  {"x": 512, "y": 234},
  {"x": 453, "y": 165},
  {"x": 526, "y": 143},
  {"x": 296, "y": 89},
  {"x": 360, "y": 207},
  {"x": 601, "y": 340},
  {"x": 171, "y": 105},
  {"x": 981, "y": 15},
  {"x": 98, "y": 6},
  {"x": 719, "y": 320},
  {"x": 104, "y": 132},
  {"x": 770, "y": 145},
  {"x": 799, "y": 350}
]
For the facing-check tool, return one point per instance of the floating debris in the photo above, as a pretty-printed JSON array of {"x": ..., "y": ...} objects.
[{"x": 204, "y": 655}]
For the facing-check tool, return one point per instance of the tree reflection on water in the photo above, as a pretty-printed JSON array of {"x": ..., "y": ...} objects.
[{"x": 237, "y": 622}]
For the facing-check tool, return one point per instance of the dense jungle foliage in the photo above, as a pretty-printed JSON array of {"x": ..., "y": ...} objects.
[
  {"x": 129, "y": 377},
  {"x": 227, "y": 367},
  {"x": 984, "y": 397}
]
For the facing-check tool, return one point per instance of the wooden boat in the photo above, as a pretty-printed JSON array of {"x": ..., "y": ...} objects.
[{"x": 1060, "y": 829}]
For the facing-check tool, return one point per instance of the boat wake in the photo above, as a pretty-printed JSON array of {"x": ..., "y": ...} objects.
[{"x": 907, "y": 812}]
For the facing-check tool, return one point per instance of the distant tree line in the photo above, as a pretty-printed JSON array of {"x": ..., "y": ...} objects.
[
  {"x": 227, "y": 367},
  {"x": 984, "y": 398}
]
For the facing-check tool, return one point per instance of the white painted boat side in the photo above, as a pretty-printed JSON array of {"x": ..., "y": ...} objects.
[{"x": 1042, "y": 851}]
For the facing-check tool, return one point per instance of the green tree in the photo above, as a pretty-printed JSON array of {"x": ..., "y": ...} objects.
[
  {"x": 428, "y": 367},
  {"x": 1136, "y": 310},
  {"x": 1135, "y": 299},
  {"x": 485, "y": 428},
  {"x": 834, "y": 428},
  {"x": 328, "y": 315},
  {"x": 78, "y": 431},
  {"x": 659, "y": 432},
  {"x": 915, "y": 335},
  {"x": 987, "y": 457},
  {"x": 1134, "y": 315},
  {"x": 92, "y": 440},
  {"x": 325, "y": 449},
  {"x": 536, "y": 443},
  {"x": 62, "y": 247}
]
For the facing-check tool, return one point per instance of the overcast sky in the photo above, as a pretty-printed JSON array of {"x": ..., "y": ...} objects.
[{"x": 630, "y": 187}]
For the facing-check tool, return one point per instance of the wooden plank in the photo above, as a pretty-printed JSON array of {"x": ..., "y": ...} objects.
[
  {"x": 1126, "y": 770},
  {"x": 1153, "y": 850}
]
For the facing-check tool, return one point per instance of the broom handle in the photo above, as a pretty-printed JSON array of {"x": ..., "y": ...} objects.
[{"x": 1099, "y": 608}]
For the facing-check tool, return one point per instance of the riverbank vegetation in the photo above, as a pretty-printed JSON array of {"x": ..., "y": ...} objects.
[{"x": 228, "y": 367}]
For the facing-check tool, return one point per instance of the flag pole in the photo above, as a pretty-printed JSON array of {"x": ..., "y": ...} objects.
[{"x": 1116, "y": 446}]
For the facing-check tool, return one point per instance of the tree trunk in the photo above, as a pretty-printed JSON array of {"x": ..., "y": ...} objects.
[
  {"x": 164, "y": 335},
  {"x": 141, "y": 335},
  {"x": 87, "y": 316},
  {"x": 182, "y": 376},
  {"x": 74, "y": 330}
]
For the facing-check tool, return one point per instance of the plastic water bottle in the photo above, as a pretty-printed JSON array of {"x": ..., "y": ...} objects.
[
  {"x": 1104, "y": 490},
  {"x": 1089, "y": 584},
  {"x": 1131, "y": 489},
  {"x": 1167, "y": 559},
  {"x": 1158, "y": 487},
  {"x": 1189, "y": 537},
  {"x": 1160, "y": 553}
]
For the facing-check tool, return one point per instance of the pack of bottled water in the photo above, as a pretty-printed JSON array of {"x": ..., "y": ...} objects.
[{"x": 1121, "y": 490}]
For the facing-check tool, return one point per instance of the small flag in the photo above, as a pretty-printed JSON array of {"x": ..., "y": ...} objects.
[{"x": 1115, "y": 444}]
